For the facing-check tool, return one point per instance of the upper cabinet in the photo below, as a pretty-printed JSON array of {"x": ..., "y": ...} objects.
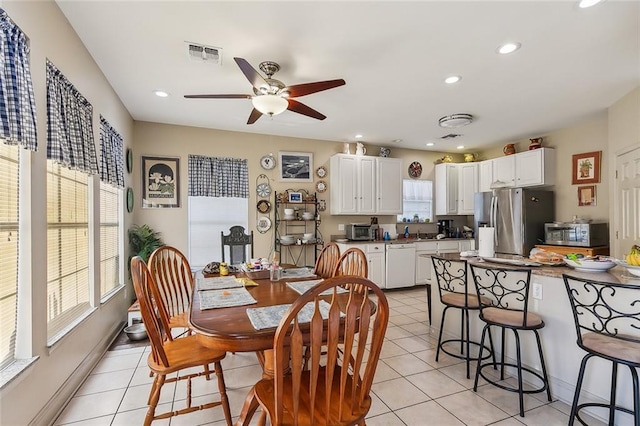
[
  {"x": 528, "y": 168},
  {"x": 365, "y": 184},
  {"x": 455, "y": 186}
]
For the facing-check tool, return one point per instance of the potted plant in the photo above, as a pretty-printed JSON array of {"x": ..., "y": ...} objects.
[{"x": 143, "y": 241}]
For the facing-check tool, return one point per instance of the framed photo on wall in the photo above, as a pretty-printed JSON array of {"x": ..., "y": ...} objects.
[
  {"x": 586, "y": 168},
  {"x": 296, "y": 166},
  {"x": 160, "y": 182},
  {"x": 587, "y": 195}
]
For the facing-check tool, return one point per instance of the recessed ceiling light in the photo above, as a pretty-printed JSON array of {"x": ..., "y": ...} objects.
[
  {"x": 160, "y": 93},
  {"x": 430, "y": 144},
  {"x": 460, "y": 147},
  {"x": 508, "y": 48},
  {"x": 583, "y": 4},
  {"x": 358, "y": 136},
  {"x": 452, "y": 79}
]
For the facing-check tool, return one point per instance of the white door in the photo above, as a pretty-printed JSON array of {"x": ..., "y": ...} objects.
[{"x": 627, "y": 215}]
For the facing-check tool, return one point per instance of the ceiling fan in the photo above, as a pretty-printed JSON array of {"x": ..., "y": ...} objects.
[{"x": 271, "y": 96}]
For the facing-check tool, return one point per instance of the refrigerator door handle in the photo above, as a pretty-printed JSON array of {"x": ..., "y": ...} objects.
[{"x": 494, "y": 217}]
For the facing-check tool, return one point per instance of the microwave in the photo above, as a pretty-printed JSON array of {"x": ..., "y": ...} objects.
[
  {"x": 361, "y": 232},
  {"x": 577, "y": 234}
]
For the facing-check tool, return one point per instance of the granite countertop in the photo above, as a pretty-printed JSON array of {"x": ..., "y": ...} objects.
[{"x": 401, "y": 240}]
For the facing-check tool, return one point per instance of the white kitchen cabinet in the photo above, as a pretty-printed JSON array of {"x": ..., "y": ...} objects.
[
  {"x": 423, "y": 263},
  {"x": 485, "y": 175},
  {"x": 528, "y": 168},
  {"x": 375, "y": 253},
  {"x": 389, "y": 184},
  {"x": 353, "y": 184},
  {"x": 365, "y": 185},
  {"x": 456, "y": 185}
]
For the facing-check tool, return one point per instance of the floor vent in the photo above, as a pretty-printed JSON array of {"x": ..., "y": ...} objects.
[{"x": 202, "y": 53}]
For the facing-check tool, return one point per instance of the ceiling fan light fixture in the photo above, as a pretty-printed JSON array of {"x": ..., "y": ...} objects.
[
  {"x": 270, "y": 104},
  {"x": 455, "y": 120}
]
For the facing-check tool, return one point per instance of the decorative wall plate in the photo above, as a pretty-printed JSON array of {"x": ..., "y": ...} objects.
[
  {"x": 321, "y": 186},
  {"x": 263, "y": 190},
  {"x": 263, "y": 206},
  {"x": 263, "y": 224},
  {"x": 321, "y": 172},
  {"x": 129, "y": 200},
  {"x": 129, "y": 160},
  {"x": 415, "y": 169},
  {"x": 268, "y": 162}
]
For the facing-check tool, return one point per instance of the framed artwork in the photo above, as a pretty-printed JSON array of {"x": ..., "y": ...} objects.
[
  {"x": 296, "y": 166},
  {"x": 586, "y": 168},
  {"x": 160, "y": 182},
  {"x": 587, "y": 195},
  {"x": 295, "y": 197}
]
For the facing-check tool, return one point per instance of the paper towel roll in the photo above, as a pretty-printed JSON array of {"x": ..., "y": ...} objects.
[{"x": 486, "y": 246}]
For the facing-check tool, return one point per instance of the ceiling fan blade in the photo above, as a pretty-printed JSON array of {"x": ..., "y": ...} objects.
[
  {"x": 253, "y": 117},
  {"x": 218, "y": 96},
  {"x": 252, "y": 75},
  {"x": 308, "y": 88},
  {"x": 301, "y": 108}
]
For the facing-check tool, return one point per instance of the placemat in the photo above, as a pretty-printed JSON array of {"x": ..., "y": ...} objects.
[
  {"x": 297, "y": 273},
  {"x": 225, "y": 298},
  {"x": 303, "y": 286},
  {"x": 217, "y": 283},
  {"x": 270, "y": 316}
]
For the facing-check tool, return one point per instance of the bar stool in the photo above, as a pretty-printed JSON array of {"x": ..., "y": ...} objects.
[
  {"x": 607, "y": 319},
  {"x": 451, "y": 276},
  {"x": 508, "y": 292}
]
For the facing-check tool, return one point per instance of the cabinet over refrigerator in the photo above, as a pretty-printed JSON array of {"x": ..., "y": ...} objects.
[{"x": 517, "y": 215}]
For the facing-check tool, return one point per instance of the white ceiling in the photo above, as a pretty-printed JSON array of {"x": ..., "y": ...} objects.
[{"x": 393, "y": 56}]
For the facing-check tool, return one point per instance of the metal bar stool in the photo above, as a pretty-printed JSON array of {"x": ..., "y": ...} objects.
[
  {"x": 451, "y": 276},
  {"x": 508, "y": 292},
  {"x": 607, "y": 319}
]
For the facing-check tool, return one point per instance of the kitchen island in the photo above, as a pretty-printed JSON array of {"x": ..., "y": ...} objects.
[{"x": 562, "y": 355}]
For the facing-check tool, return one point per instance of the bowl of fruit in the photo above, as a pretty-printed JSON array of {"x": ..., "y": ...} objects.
[
  {"x": 632, "y": 261},
  {"x": 583, "y": 263}
]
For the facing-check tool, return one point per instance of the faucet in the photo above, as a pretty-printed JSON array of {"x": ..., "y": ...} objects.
[{"x": 418, "y": 235}]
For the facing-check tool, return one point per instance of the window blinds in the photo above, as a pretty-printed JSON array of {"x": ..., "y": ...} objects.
[
  {"x": 9, "y": 168},
  {"x": 109, "y": 238}
]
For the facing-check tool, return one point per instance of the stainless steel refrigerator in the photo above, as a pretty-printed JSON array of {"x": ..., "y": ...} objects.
[{"x": 518, "y": 216}]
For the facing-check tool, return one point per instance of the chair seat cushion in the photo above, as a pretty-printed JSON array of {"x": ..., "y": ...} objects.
[
  {"x": 457, "y": 300},
  {"x": 613, "y": 347},
  {"x": 184, "y": 352},
  {"x": 511, "y": 318},
  {"x": 264, "y": 391}
]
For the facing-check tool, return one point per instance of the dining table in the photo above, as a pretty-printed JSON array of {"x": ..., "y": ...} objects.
[{"x": 229, "y": 328}]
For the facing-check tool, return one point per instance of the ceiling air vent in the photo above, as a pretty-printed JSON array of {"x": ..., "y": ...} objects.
[
  {"x": 202, "y": 53},
  {"x": 450, "y": 136}
]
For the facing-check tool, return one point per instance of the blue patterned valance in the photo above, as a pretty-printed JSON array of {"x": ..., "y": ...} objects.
[
  {"x": 69, "y": 123},
  {"x": 111, "y": 155},
  {"x": 218, "y": 177},
  {"x": 17, "y": 104}
]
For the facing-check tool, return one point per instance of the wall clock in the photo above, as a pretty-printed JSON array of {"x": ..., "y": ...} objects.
[
  {"x": 415, "y": 169},
  {"x": 321, "y": 172},
  {"x": 321, "y": 186},
  {"x": 268, "y": 162}
]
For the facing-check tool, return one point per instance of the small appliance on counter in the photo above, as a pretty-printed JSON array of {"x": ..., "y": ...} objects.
[
  {"x": 590, "y": 234},
  {"x": 361, "y": 232},
  {"x": 445, "y": 227}
]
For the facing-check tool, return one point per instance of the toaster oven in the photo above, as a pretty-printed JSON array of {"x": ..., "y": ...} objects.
[
  {"x": 361, "y": 232},
  {"x": 577, "y": 234}
]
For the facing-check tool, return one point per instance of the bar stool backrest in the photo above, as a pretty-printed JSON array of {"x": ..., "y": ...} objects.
[
  {"x": 505, "y": 288},
  {"x": 612, "y": 309},
  {"x": 451, "y": 276}
]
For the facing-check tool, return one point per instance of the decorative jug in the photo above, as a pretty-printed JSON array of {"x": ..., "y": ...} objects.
[
  {"x": 347, "y": 148},
  {"x": 360, "y": 149},
  {"x": 384, "y": 152},
  {"x": 509, "y": 149},
  {"x": 535, "y": 143}
]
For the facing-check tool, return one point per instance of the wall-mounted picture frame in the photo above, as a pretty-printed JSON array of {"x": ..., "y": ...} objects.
[
  {"x": 586, "y": 168},
  {"x": 295, "y": 166},
  {"x": 160, "y": 182},
  {"x": 587, "y": 195},
  {"x": 295, "y": 197}
]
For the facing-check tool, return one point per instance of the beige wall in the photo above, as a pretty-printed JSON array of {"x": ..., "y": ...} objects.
[{"x": 40, "y": 392}]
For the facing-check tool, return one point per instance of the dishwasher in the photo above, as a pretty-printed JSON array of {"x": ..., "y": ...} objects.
[{"x": 401, "y": 265}]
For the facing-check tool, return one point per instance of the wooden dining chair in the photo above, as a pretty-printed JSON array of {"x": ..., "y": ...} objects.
[
  {"x": 335, "y": 391},
  {"x": 327, "y": 260},
  {"x": 169, "y": 356},
  {"x": 171, "y": 273},
  {"x": 239, "y": 244},
  {"x": 352, "y": 262}
]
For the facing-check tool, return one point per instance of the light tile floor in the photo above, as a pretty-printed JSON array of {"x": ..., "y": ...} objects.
[{"x": 410, "y": 387}]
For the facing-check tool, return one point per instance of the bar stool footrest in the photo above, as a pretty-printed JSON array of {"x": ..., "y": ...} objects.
[
  {"x": 600, "y": 405},
  {"x": 463, "y": 356},
  {"x": 494, "y": 382}
]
